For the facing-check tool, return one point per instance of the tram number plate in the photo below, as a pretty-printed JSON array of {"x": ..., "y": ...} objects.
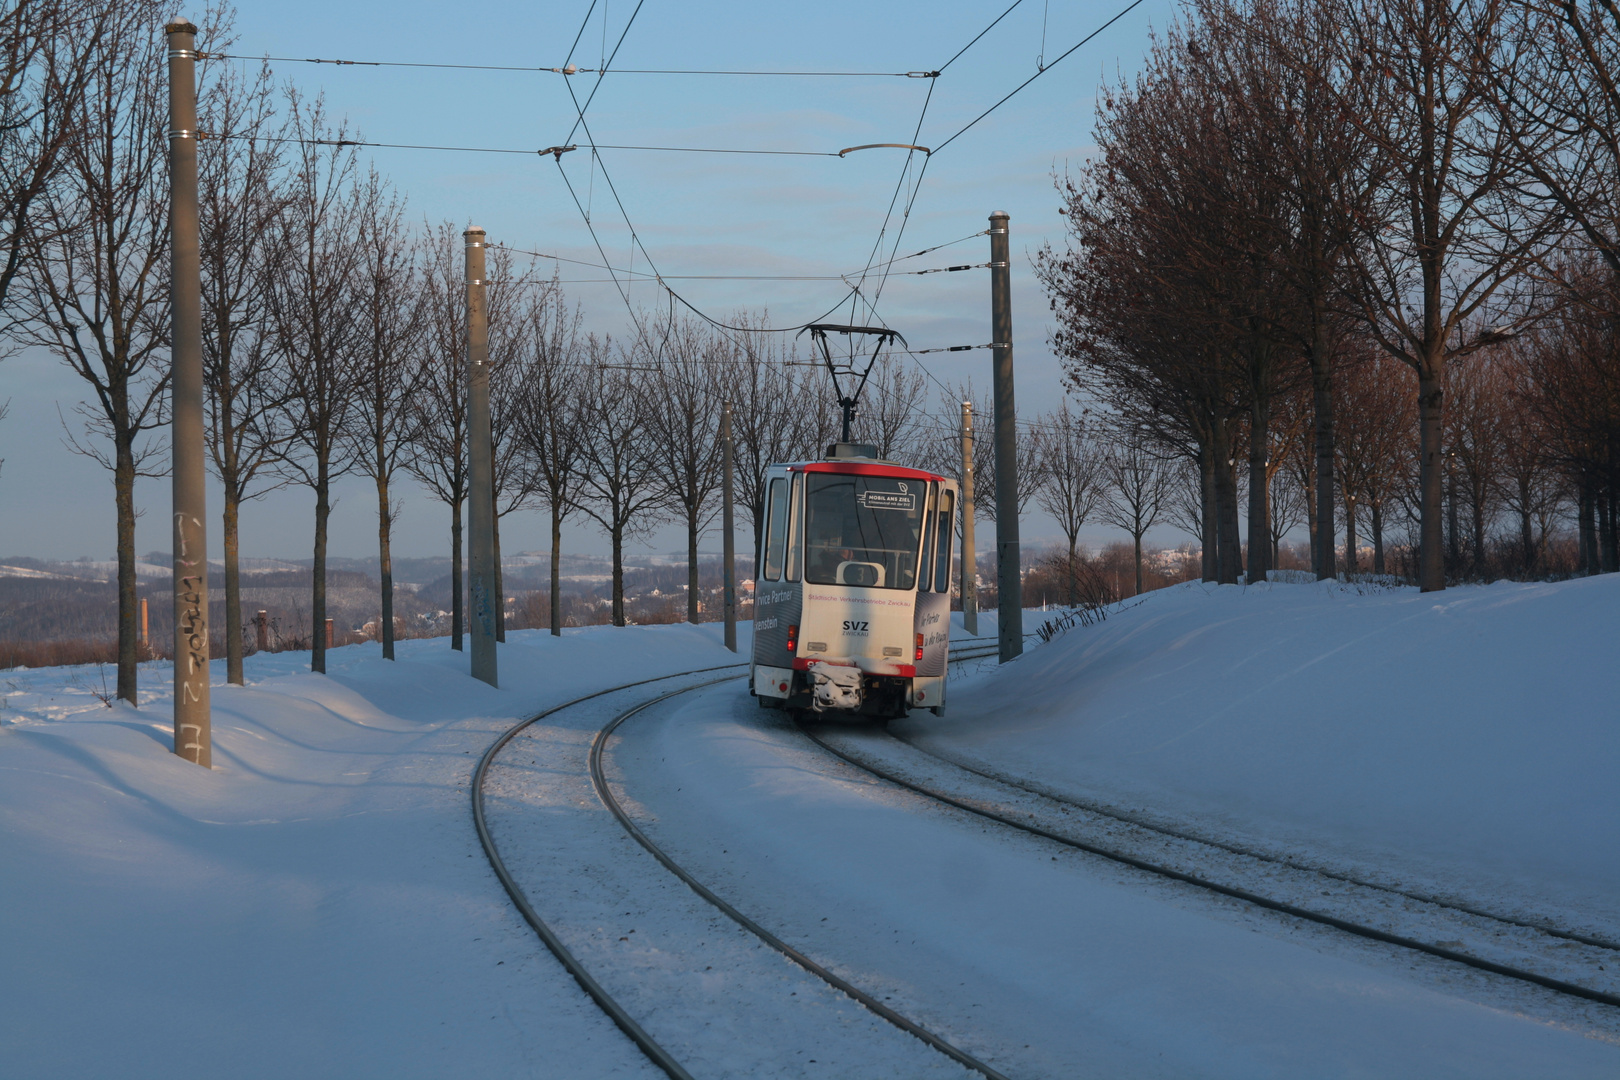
[{"x": 887, "y": 500}]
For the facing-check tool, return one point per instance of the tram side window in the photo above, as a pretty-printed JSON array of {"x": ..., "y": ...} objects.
[
  {"x": 925, "y": 582},
  {"x": 942, "y": 557},
  {"x": 795, "y": 533},
  {"x": 776, "y": 530}
]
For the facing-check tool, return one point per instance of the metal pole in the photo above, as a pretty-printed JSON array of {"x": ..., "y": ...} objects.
[
  {"x": 481, "y": 473},
  {"x": 728, "y": 543},
  {"x": 970, "y": 555},
  {"x": 192, "y": 735},
  {"x": 1009, "y": 583}
]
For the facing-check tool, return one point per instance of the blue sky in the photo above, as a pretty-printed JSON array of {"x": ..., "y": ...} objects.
[{"x": 696, "y": 214}]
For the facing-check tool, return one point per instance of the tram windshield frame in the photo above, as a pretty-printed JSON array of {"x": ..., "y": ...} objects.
[{"x": 863, "y": 530}]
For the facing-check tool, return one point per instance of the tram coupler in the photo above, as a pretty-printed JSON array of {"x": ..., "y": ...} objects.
[{"x": 835, "y": 686}]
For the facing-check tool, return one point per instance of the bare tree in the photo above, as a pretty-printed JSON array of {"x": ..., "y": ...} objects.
[
  {"x": 1556, "y": 96},
  {"x": 1138, "y": 487},
  {"x": 513, "y": 480},
  {"x": 96, "y": 265},
  {"x": 546, "y": 417},
  {"x": 891, "y": 414},
  {"x": 317, "y": 322},
  {"x": 1073, "y": 486},
  {"x": 240, "y": 245},
  {"x": 388, "y": 323},
  {"x": 48, "y": 58},
  {"x": 1031, "y": 458},
  {"x": 621, "y": 484},
  {"x": 439, "y": 451},
  {"x": 1445, "y": 246},
  {"x": 684, "y": 423},
  {"x": 780, "y": 412}
]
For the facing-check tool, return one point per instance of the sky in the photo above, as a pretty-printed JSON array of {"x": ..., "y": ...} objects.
[{"x": 695, "y": 214}]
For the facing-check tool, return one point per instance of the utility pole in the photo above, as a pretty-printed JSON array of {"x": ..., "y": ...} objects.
[
  {"x": 480, "y": 472},
  {"x": 728, "y": 543},
  {"x": 970, "y": 584},
  {"x": 1009, "y": 583},
  {"x": 193, "y": 737}
]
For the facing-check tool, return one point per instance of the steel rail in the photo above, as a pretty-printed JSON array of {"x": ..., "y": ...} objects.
[
  {"x": 1276, "y": 860},
  {"x": 605, "y": 1001},
  {"x": 605, "y": 793},
  {"x": 1234, "y": 892}
]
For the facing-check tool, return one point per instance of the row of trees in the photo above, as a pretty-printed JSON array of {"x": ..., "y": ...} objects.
[{"x": 1404, "y": 210}]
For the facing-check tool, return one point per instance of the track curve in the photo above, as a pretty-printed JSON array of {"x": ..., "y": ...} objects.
[
  {"x": 621, "y": 1017},
  {"x": 1246, "y": 895}
]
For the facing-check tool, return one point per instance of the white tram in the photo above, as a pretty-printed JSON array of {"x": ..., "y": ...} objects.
[{"x": 852, "y": 594}]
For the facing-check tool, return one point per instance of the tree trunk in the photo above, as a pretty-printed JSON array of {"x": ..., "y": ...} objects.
[
  {"x": 1259, "y": 489},
  {"x": 1527, "y": 533},
  {"x": 385, "y": 562},
  {"x": 1074, "y": 583},
  {"x": 692, "y": 566},
  {"x": 233, "y": 588},
  {"x": 457, "y": 615},
  {"x": 1606, "y": 530},
  {"x": 323, "y": 509},
  {"x": 1229, "y": 550},
  {"x": 1588, "y": 526},
  {"x": 128, "y": 603},
  {"x": 1311, "y": 515},
  {"x": 556, "y": 574},
  {"x": 1323, "y": 532},
  {"x": 1352, "y": 559},
  {"x": 1378, "y": 535},
  {"x": 1211, "y": 537},
  {"x": 1453, "y": 529},
  {"x": 618, "y": 576},
  {"x": 1432, "y": 562},
  {"x": 1137, "y": 538}
]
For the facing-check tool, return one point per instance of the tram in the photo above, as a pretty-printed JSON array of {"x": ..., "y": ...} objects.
[{"x": 852, "y": 591}]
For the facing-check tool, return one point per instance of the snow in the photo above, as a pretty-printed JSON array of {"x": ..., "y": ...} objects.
[
  {"x": 318, "y": 904},
  {"x": 1465, "y": 741},
  {"x": 1045, "y": 962}
]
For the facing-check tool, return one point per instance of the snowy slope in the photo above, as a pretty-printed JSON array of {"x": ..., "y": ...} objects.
[
  {"x": 317, "y": 905},
  {"x": 1467, "y": 741}
]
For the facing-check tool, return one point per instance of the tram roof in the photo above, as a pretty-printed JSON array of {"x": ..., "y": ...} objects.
[{"x": 864, "y": 468}]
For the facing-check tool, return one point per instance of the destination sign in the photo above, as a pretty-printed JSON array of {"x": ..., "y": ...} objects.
[{"x": 887, "y": 500}]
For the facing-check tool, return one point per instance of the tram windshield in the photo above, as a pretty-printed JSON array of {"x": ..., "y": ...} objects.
[{"x": 863, "y": 530}]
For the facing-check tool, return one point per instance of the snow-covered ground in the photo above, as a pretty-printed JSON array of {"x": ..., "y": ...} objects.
[
  {"x": 1466, "y": 742},
  {"x": 318, "y": 903}
]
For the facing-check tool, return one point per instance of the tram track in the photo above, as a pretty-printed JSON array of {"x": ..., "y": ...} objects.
[
  {"x": 621, "y": 1017},
  {"x": 1137, "y": 821},
  {"x": 1000, "y": 813},
  {"x": 1049, "y": 822}
]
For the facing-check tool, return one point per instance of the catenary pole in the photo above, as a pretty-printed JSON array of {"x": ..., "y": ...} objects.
[
  {"x": 193, "y": 738},
  {"x": 480, "y": 472},
  {"x": 970, "y": 585},
  {"x": 1009, "y": 581},
  {"x": 728, "y": 542}
]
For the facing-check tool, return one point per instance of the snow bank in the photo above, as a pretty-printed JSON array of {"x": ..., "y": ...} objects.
[
  {"x": 1467, "y": 741},
  {"x": 317, "y": 905}
]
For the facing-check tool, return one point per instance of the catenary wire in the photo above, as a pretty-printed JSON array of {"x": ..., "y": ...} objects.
[
  {"x": 1126, "y": 10},
  {"x": 513, "y": 150},
  {"x": 564, "y": 70}
]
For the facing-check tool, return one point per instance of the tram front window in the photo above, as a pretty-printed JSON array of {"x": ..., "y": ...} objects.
[{"x": 863, "y": 530}]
